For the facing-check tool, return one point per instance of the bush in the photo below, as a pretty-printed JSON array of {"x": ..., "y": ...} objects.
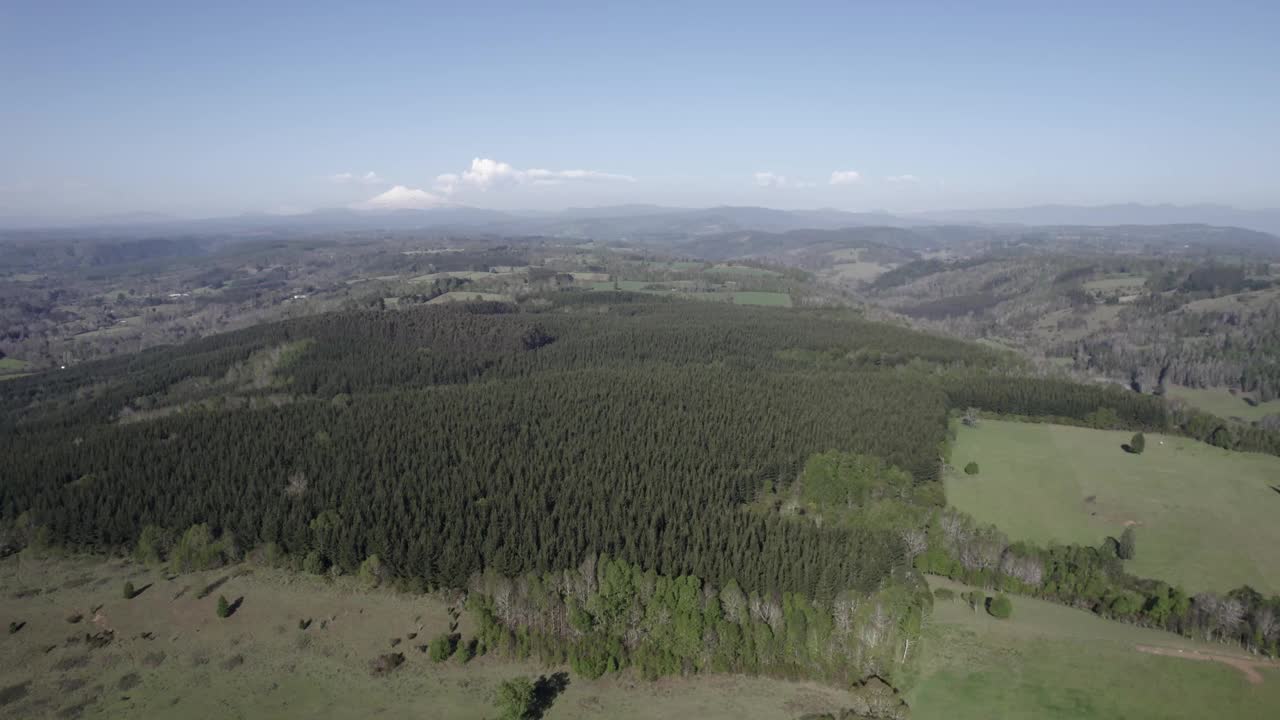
[
  {"x": 944, "y": 594},
  {"x": 442, "y": 647},
  {"x": 371, "y": 572},
  {"x": 1000, "y": 607},
  {"x": 129, "y": 592},
  {"x": 198, "y": 550},
  {"x": 153, "y": 545},
  {"x": 313, "y": 564},
  {"x": 224, "y": 607},
  {"x": 515, "y": 699},
  {"x": 971, "y": 468},
  {"x": 1137, "y": 444}
]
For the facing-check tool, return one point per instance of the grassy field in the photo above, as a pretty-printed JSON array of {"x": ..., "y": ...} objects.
[
  {"x": 731, "y": 269},
  {"x": 1116, "y": 283},
  {"x": 1205, "y": 517},
  {"x": 468, "y": 296},
  {"x": 856, "y": 271},
  {"x": 774, "y": 299},
  {"x": 9, "y": 366},
  {"x": 1051, "y": 661},
  {"x": 171, "y": 657},
  {"x": 1222, "y": 403},
  {"x": 629, "y": 285}
]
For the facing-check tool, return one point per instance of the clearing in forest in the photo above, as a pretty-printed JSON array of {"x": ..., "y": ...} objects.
[
  {"x": 1052, "y": 661},
  {"x": 1204, "y": 516},
  {"x": 1221, "y": 402}
]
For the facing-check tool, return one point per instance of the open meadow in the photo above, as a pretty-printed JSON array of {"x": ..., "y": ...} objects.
[
  {"x": 1204, "y": 516},
  {"x": 1049, "y": 661},
  {"x": 1223, "y": 403},
  {"x": 170, "y": 656}
]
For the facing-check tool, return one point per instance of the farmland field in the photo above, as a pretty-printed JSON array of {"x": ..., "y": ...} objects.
[
  {"x": 12, "y": 365},
  {"x": 1050, "y": 661},
  {"x": 730, "y": 269},
  {"x": 171, "y": 656},
  {"x": 857, "y": 271},
  {"x": 628, "y": 285},
  {"x": 1116, "y": 283},
  {"x": 468, "y": 296},
  {"x": 775, "y": 299},
  {"x": 1222, "y": 403},
  {"x": 1204, "y": 516}
]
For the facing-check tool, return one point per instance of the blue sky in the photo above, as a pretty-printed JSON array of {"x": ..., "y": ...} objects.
[{"x": 201, "y": 109}]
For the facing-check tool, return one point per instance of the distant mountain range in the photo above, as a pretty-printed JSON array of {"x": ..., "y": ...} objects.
[
  {"x": 1267, "y": 220},
  {"x": 702, "y": 227}
]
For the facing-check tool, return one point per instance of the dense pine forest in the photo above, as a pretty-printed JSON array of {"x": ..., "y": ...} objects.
[{"x": 441, "y": 444}]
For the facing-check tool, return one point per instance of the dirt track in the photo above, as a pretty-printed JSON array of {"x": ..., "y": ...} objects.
[{"x": 1246, "y": 665}]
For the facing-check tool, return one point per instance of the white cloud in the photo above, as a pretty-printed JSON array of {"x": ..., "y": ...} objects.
[
  {"x": 485, "y": 174},
  {"x": 346, "y": 178},
  {"x": 774, "y": 180},
  {"x": 768, "y": 179},
  {"x": 845, "y": 177},
  {"x": 907, "y": 179},
  {"x": 404, "y": 198}
]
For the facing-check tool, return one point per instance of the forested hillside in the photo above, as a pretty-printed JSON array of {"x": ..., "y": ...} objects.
[{"x": 436, "y": 443}]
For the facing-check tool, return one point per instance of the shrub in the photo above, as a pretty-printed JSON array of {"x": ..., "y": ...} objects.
[
  {"x": 944, "y": 594},
  {"x": 442, "y": 647},
  {"x": 197, "y": 550},
  {"x": 313, "y": 564},
  {"x": 371, "y": 572},
  {"x": 129, "y": 592},
  {"x": 224, "y": 608},
  {"x": 515, "y": 699},
  {"x": 1000, "y": 607},
  {"x": 1137, "y": 444},
  {"x": 971, "y": 468},
  {"x": 153, "y": 545}
]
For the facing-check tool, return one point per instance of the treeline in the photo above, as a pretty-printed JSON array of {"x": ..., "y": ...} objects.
[
  {"x": 1103, "y": 407},
  {"x": 1093, "y": 578},
  {"x": 607, "y": 615}
]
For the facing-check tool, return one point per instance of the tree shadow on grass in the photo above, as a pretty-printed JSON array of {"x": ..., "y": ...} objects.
[
  {"x": 139, "y": 590},
  {"x": 234, "y": 606},
  {"x": 208, "y": 589},
  {"x": 545, "y": 692}
]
